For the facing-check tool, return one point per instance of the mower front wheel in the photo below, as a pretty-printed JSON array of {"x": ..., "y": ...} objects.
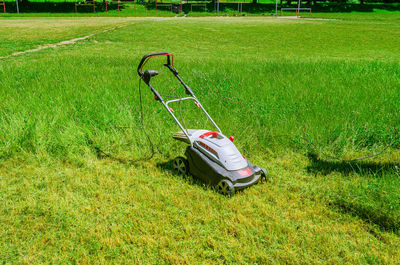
[
  {"x": 264, "y": 174},
  {"x": 225, "y": 187},
  {"x": 180, "y": 165}
]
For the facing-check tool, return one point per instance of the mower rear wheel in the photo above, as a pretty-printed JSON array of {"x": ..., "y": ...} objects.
[
  {"x": 180, "y": 165},
  {"x": 225, "y": 187}
]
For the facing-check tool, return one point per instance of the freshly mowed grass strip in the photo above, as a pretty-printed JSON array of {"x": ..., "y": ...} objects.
[
  {"x": 262, "y": 80},
  {"x": 102, "y": 211}
]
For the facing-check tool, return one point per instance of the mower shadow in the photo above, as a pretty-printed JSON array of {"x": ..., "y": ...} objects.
[
  {"x": 362, "y": 168},
  {"x": 167, "y": 166}
]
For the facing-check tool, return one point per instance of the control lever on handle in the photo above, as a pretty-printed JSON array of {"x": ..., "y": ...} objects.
[{"x": 148, "y": 74}]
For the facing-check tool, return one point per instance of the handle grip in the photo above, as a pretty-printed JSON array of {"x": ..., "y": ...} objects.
[
  {"x": 211, "y": 133},
  {"x": 147, "y": 57}
]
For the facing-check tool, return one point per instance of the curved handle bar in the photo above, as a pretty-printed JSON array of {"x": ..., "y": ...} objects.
[{"x": 147, "y": 57}]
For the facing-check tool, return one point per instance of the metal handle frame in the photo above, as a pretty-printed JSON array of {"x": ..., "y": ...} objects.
[
  {"x": 188, "y": 91},
  {"x": 147, "y": 57}
]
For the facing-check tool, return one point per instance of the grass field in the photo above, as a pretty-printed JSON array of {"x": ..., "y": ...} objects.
[{"x": 266, "y": 81}]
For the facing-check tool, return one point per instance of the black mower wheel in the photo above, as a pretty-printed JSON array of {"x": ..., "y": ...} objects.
[
  {"x": 225, "y": 187},
  {"x": 264, "y": 174},
  {"x": 180, "y": 165}
]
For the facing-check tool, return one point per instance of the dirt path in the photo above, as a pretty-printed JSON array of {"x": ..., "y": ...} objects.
[{"x": 62, "y": 43}]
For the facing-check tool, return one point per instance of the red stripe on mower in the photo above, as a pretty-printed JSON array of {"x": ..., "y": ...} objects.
[{"x": 245, "y": 172}]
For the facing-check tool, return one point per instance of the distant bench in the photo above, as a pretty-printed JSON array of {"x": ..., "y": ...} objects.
[{"x": 295, "y": 8}]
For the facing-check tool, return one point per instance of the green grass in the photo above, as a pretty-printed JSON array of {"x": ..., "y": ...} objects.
[{"x": 266, "y": 81}]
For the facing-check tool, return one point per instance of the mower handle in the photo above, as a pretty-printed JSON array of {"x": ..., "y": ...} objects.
[
  {"x": 147, "y": 57},
  {"x": 214, "y": 134}
]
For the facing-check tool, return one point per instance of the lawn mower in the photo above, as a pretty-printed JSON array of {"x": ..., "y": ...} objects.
[{"x": 210, "y": 155}]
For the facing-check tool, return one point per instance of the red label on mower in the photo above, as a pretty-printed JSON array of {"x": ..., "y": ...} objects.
[{"x": 245, "y": 172}]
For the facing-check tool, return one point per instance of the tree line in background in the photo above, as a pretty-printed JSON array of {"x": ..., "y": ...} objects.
[
  {"x": 315, "y": 2},
  {"x": 253, "y": 5},
  {"x": 305, "y": 2}
]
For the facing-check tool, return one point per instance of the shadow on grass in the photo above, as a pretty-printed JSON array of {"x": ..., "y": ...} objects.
[
  {"x": 371, "y": 205},
  {"x": 384, "y": 218},
  {"x": 101, "y": 154},
  {"x": 326, "y": 167},
  {"x": 167, "y": 166}
]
